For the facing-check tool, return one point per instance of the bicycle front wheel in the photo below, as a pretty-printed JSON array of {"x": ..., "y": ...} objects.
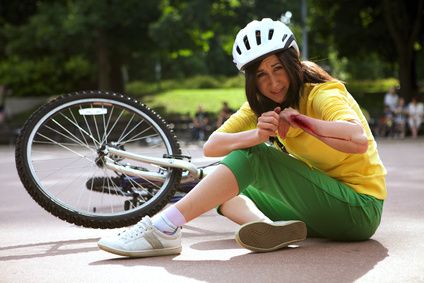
[{"x": 58, "y": 157}]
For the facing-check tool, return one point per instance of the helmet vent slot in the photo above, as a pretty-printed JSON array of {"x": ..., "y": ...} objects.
[
  {"x": 270, "y": 34},
  {"x": 238, "y": 50},
  {"x": 258, "y": 37},
  {"x": 246, "y": 42},
  {"x": 284, "y": 37}
]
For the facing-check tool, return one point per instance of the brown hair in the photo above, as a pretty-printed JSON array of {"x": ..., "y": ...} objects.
[{"x": 298, "y": 72}]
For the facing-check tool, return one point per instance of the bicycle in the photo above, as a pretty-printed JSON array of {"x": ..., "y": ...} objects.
[{"x": 73, "y": 154}]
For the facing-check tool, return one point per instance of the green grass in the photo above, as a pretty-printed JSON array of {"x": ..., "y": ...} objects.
[{"x": 186, "y": 101}]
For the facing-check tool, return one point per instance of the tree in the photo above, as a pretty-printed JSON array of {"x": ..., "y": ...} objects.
[
  {"x": 65, "y": 44},
  {"x": 404, "y": 21},
  {"x": 119, "y": 29},
  {"x": 202, "y": 32},
  {"x": 359, "y": 28}
]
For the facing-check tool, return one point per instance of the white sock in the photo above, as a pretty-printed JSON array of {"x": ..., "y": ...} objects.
[{"x": 168, "y": 220}]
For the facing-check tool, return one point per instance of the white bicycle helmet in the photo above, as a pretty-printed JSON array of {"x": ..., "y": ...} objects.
[{"x": 260, "y": 38}]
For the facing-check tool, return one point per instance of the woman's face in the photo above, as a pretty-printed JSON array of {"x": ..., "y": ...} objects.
[{"x": 272, "y": 79}]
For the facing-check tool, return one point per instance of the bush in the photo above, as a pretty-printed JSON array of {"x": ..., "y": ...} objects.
[
  {"x": 234, "y": 82},
  {"x": 201, "y": 82},
  {"x": 45, "y": 75},
  {"x": 370, "y": 86},
  {"x": 140, "y": 88}
]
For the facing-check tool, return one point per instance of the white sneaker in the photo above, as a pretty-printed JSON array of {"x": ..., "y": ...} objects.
[{"x": 142, "y": 240}]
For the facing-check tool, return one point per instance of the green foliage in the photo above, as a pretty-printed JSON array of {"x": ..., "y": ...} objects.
[
  {"x": 25, "y": 77},
  {"x": 140, "y": 88},
  {"x": 72, "y": 42},
  {"x": 338, "y": 66},
  {"x": 202, "y": 82},
  {"x": 55, "y": 46},
  {"x": 234, "y": 82},
  {"x": 361, "y": 87},
  {"x": 207, "y": 30},
  {"x": 44, "y": 75},
  {"x": 369, "y": 67}
]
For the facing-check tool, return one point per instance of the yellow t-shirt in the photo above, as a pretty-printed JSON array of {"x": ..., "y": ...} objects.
[{"x": 329, "y": 101}]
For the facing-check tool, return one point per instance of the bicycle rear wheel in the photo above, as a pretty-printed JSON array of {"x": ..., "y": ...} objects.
[{"x": 57, "y": 157}]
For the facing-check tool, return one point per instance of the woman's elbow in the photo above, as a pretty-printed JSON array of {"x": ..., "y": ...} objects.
[
  {"x": 363, "y": 147},
  {"x": 360, "y": 139},
  {"x": 207, "y": 150},
  {"x": 361, "y": 144},
  {"x": 215, "y": 146}
]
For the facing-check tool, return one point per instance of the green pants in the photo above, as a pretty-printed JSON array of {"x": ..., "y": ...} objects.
[{"x": 284, "y": 188}]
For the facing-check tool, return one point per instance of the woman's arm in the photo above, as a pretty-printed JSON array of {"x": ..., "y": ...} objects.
[
  {"x": 220, "y": 144},
  {"x": 345, "y": 136}
]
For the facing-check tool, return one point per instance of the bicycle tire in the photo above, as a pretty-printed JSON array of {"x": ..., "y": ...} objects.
[{"x": 62, "y": 133}]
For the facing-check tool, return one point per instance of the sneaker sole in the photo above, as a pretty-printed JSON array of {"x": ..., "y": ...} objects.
[
  {"x": 266, "y": 237},
  {"x": 148, "y": 253}
]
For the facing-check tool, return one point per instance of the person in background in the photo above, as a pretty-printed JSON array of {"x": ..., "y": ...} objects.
[
  {"x": 400, "y": 115},
  {"x": 385, "y": 123},
  {"x": 224, "y": 114},
  {"x": 391, "y": 99},
  {"x": 415, "y": 116},
  {"x": 200, "y": 124}
]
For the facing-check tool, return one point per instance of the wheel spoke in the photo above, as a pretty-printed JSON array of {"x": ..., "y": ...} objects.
[
  {"x": 65, "y": 147},
  {"x": 79, "y": 128},
  {"x": 82, "y": 133},
  {"x": 134, "y": 138},
  {"x": 125, "y": 129},
  {"x": 121, "y": 138}
]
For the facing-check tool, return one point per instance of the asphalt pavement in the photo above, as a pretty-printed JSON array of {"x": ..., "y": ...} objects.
[{"x": 37, "y": 247}]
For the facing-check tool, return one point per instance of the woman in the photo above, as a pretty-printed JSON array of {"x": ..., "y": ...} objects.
[
  {"x": 331, "y": 184},
  {"x": 415, "y": 116},
  {"x": 400, "y": 115}
]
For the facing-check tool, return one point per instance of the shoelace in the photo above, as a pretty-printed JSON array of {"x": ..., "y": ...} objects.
[{"x": 138, "y": 229}]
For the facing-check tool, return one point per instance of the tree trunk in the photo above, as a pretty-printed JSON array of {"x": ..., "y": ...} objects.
[
  {"x": 103, "y": 64},
  {"x": 404, "y": 26},
  {"x": 408, "y": 87},
  {"x": 116, "y": 76}
]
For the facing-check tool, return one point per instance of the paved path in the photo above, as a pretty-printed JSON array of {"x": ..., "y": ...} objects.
[{"x": 37, "y": 247}]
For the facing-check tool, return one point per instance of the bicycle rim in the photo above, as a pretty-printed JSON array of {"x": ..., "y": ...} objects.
[{"x": 62, "y": 157}]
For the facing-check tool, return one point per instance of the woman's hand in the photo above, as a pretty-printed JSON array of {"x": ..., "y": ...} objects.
[
  {"x": 267, "y": 125},
  {"x": 278, "y": 120},
  {"x": 286, "y": 120}
]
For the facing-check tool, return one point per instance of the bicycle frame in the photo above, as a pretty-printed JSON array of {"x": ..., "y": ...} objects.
[{"x": 191, "y": 170}]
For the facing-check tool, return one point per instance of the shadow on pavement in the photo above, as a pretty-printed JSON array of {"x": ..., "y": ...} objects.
[
  {"x": 191, "y": 231},
  {"x": 46, "y": 249},
  {"x": 314, "y": 260}
]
